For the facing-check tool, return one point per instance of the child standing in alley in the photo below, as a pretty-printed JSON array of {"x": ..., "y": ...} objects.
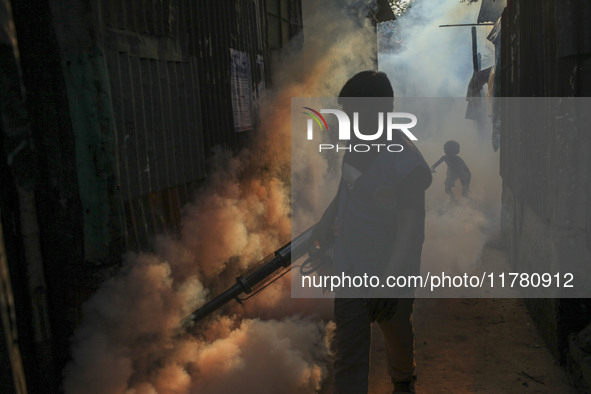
[{"x": 456, "y": 168}]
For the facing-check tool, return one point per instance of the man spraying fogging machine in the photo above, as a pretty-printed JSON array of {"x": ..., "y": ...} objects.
[{"x": 374, "y": 224}]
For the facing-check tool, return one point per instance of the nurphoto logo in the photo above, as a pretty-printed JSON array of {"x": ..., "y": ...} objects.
[{"x": 344, "y": 132}]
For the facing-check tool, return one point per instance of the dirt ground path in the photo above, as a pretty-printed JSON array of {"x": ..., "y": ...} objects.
[{"x": 475, "y": 346}]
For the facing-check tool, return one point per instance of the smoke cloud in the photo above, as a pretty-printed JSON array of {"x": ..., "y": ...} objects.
[
  {"x": 457, "y": 231},
  {"x": 130, "y": 340},
  {"x": 425, "y": 60}
]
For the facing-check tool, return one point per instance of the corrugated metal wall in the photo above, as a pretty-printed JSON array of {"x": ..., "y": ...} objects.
[
  {"x": 545, "y": 53},
  {"x": 523, "y": 149},
  {"x": 125, "y": 101},
  {"x": 169, "y": 68},
  {"x": 536, "y": 62}
]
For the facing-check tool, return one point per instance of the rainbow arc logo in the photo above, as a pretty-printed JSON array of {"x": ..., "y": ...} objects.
[{"x": 317, "y": 117}]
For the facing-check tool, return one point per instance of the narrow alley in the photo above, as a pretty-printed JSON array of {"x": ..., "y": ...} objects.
[{"x": 221, "y": 196}]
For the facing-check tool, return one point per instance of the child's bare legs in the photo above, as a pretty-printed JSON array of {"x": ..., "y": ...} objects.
[
  {"x": 465, "y": 187},
  {"x": 449, "y": 184}
]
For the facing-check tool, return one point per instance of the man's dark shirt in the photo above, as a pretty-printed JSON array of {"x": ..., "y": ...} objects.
[{"x": 366, "y": 218}]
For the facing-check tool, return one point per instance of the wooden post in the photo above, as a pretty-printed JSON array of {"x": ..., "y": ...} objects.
[{"x": 475, "y": 50}]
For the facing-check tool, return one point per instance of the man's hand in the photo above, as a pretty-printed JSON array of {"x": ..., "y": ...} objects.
[{"x": 381, "y": 309}]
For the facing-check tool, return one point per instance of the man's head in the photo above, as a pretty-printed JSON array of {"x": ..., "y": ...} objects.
[
  {"x": 363, "y": 97},
  {"x": 367, "y": 93},
  {"x": 368, "y": 84}
]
